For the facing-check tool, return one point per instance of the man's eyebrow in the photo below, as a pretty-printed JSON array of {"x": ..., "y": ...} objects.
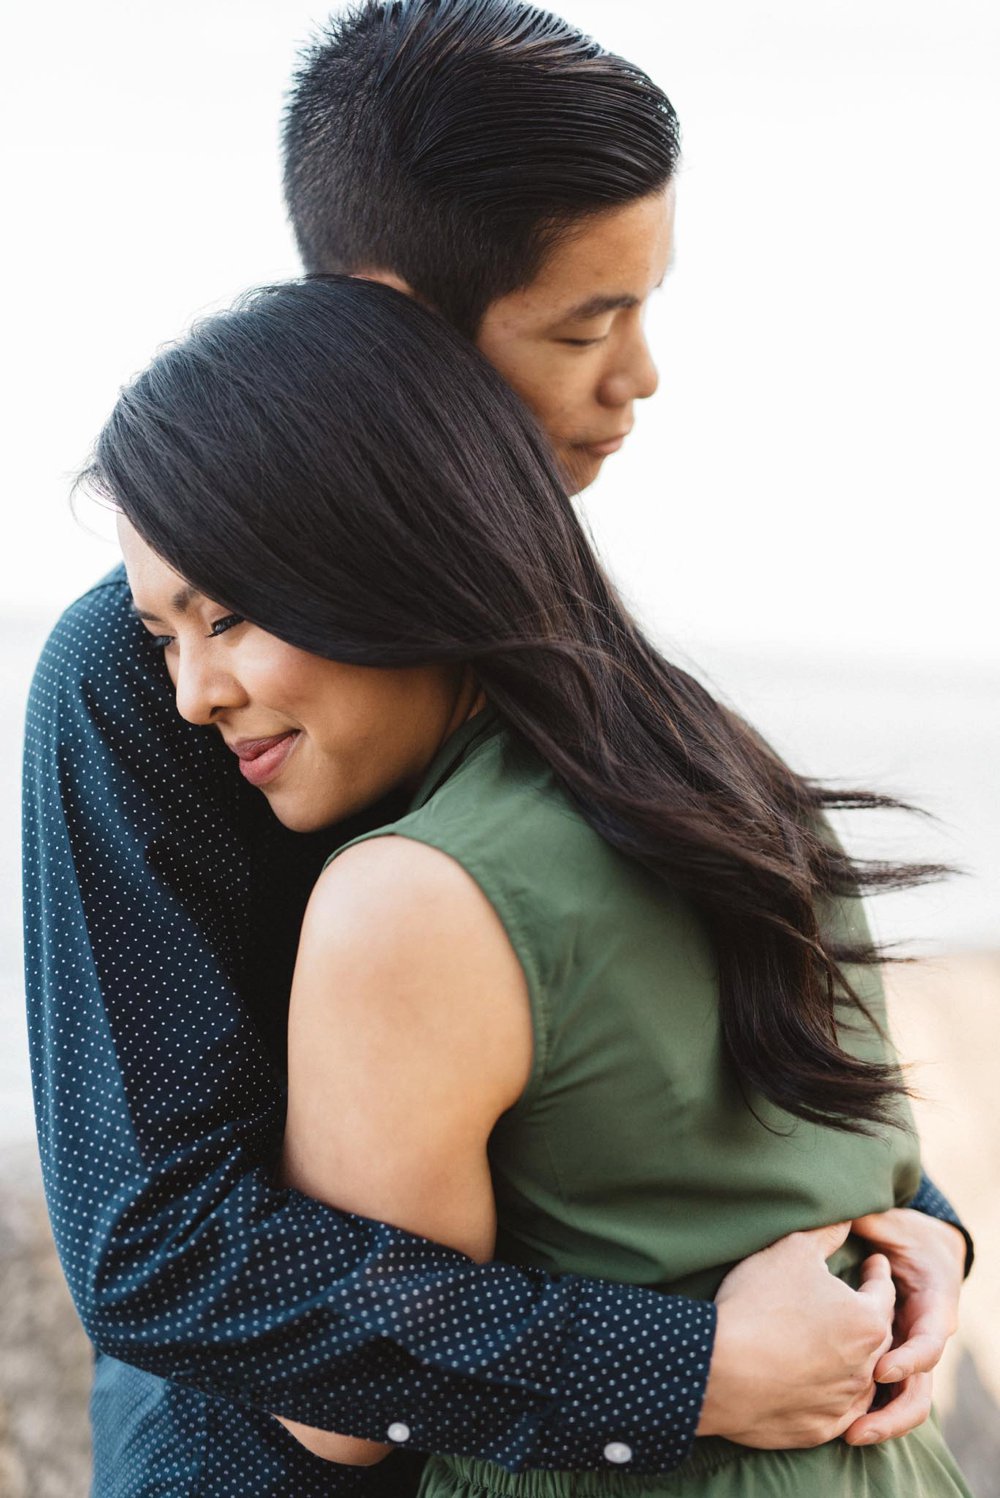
[
  {"x": 179, "y": 603},
  {"x": 597, "y": 305}
]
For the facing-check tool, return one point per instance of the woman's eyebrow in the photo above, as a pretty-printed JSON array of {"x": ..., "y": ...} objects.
[{"x": 179, "y": 603}]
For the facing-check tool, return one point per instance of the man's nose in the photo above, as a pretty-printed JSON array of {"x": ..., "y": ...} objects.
[
  {"x": 202, "y": 689},
  {"x": 635, "y": 378}
]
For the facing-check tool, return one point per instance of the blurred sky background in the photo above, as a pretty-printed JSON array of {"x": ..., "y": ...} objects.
[{"x": 806, "y": 511}]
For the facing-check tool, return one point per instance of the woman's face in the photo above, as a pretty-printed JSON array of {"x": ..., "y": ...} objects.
[{"x": 321, "y": 739}]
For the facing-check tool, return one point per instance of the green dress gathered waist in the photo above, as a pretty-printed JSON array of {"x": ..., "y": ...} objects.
[{"x": 632, "y": 1154}]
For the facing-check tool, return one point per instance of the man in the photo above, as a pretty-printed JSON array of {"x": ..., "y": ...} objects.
[{"x": 484, "y": 157}]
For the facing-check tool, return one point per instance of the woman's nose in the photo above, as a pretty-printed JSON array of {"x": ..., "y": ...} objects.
[{"x": 202, "y": 690}]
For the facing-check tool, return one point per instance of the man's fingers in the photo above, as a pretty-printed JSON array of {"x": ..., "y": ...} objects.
[
  {"x": 881, "y": 1228},
  {"x": 919, "y": 1354},
  {"x": 876, "y": 1283},
  {"x": 883, "y": 1347},
  {"x": 827, "y": 1239},
  {"x": 904, "y": 1413},
  {"x": 857, "y": 1411},
  {"x": 875, "y": 1267}
]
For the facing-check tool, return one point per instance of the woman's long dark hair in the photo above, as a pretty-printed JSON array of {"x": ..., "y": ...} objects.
[{"x": 333, "y": 462}]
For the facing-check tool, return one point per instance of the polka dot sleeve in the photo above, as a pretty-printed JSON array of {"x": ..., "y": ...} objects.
[
  {"x": 161, "y": 910},
  {"x": 930, "y": 1200},
  {"x": 622, "y": 1374}
]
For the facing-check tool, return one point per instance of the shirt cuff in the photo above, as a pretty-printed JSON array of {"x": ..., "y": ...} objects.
[
  {"x": 631, "y": 1380},
  {"x": 930, "y": 1200}
]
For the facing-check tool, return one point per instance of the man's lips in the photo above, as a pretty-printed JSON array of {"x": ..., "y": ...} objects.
[{"x": 261, "y": 759}]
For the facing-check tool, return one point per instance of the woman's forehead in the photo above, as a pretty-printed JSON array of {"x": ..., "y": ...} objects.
[{"x": 156, "y": 587}]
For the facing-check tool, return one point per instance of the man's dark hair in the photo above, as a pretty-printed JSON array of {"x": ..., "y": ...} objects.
[{"x": 454, "y": 141}]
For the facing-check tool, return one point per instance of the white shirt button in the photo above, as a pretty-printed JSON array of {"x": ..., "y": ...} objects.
[
  {"x": 617, "y": 1452},
  {"x": 398, "y": 1431}
]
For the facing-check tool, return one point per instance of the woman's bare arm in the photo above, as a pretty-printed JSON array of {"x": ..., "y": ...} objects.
[{"x": 409, "y": 1034}]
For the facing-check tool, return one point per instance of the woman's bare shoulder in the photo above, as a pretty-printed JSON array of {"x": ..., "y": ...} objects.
[
  {"x": 398, "y": 932},
  {"x": 398, "y": 875}
]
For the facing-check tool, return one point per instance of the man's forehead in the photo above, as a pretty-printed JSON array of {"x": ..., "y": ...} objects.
[
  {"x": 604, "y": 302},
  {"x": 610, "y": 263}
]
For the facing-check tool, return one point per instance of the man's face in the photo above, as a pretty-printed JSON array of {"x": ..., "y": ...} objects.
[{"x": 572, "y": 343}]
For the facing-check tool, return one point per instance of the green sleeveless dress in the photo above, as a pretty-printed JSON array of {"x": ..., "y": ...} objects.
[{"x": 632, "y": 1155}]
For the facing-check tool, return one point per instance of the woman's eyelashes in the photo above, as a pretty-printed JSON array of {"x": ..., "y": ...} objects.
[
  {"x": 221, "y": 625},
  {"x": 228, "y": 621}
]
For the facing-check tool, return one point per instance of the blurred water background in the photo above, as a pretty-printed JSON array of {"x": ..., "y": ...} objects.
[{"x": 804, "y": 514}]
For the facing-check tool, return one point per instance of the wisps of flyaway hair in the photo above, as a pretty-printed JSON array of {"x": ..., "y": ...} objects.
[
  {"x": 453, "y": 141},
  {"x": 332, "y": 461}
]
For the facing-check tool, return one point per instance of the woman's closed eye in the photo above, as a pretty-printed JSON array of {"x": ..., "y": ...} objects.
[{"x": 228, "y": 621}]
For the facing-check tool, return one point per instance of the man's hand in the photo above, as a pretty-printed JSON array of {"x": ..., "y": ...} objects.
[
  {"x": 796, "y": 1348},
  {"x": 927, "y": 1258}
]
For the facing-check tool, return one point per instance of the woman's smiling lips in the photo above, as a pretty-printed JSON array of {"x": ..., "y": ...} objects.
[{"x": 261, "y": 759}]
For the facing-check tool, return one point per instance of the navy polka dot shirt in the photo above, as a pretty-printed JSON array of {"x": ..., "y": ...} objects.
[{"x": 162, "y": 904}]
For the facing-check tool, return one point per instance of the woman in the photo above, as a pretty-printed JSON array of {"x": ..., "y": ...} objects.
[{"x": 592, "y": 991}]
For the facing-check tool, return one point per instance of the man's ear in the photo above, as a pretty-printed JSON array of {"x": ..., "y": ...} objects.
[{"x": 387, "y": 278}]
